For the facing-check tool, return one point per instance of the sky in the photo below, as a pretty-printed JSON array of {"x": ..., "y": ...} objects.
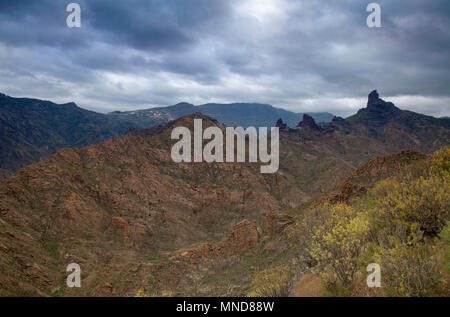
[{"x": 298, "y": 55}]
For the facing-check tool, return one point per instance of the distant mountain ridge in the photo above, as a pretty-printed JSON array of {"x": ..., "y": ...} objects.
[
  {"x": 33, "y": 129},
  {"x": 405, "y": 129},
  {"x": 233, "y": 114}
]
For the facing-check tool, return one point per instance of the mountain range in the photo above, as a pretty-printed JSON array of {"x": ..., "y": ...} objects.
[
  {"x": 133, "y": 219},
  {"x": 32, "y": 129},
  {"x": 233, "y": 114}
]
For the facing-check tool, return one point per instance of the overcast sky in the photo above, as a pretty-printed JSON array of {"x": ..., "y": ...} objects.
[{"x": 298, "y": 55}]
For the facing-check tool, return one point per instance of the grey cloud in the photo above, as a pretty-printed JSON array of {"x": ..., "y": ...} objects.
[{"x": 293, "y": 54}]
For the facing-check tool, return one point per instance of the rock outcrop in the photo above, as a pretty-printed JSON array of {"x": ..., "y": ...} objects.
[
  {"x": 244, "y": 237},
  {"x": 308, "y": 123},
  {"x": 374, "y": 98},
  {"x": 347, "y": 191},
  {"x": 280, "y": 124},
  {"x": 276, "y": 223}
]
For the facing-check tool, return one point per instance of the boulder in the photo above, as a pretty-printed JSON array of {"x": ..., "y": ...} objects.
[
  {"x": 276, "y": 223},
  {"x": 244, "y": 237}
]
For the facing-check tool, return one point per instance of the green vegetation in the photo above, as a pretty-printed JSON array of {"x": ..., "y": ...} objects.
[
  {"x": 337, "y": 243},
  {"x": 402, "y": 224},
  {"x": 142, "y": 293},
  {"x": 272, "y": 282},
  {"x": 156, "y": 258},
  {"x": 49, "y": 244}
]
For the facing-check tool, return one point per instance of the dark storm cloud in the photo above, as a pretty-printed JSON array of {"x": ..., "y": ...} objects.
[{"x": 301, "y": 55}]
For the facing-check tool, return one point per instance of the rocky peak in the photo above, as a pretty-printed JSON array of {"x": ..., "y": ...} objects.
[
  {"x": 377, "y": 113},
  {"x": 280, "y": 124},
  {"x": 308, "y": 122},
  {"x": 374, "y": 102},
  {"x": 374, "y": 98}
]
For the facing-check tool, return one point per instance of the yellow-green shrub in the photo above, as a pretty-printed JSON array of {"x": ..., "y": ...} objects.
[
  {"x": 445, "y": 248},
  {"x": 338, "y": 242},
  {"x": 273, "y": 282},
  {"x": 400, "y": 219},
  {"x": 440, "y": 162},
  {"x": 408, "y": 204},
  {"x": 412, "y": 270},
  {"x": 142, "y": 293}
]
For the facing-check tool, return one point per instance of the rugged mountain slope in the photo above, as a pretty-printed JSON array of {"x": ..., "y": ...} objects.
[
  {"x": 319, "y": 155},
  {"x": 369, "y": 173},
  {"x": 132, "y": 218},
  {"x": 399, "y": 129},
  {"x": 125, "y": 199},
  {"x": 399, "y": 218},
  {"x": 32, "y": 129}
]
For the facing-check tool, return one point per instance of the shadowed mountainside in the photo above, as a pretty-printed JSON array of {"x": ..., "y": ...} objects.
[{"x": 32, "y": 129}]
